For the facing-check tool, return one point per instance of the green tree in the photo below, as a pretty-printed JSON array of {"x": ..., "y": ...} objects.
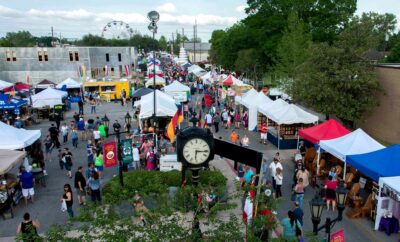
[
  {"x": 394, "y": 54},
  {"x": 336, "y": 79},
  {"x": 384, "y": 26},
  {"x": 19, "y": 39},
  {"x": 247, "y": 62},
  {"x": 216, "y": 47},
  {"x": 162, "y": 42},
  {"x": 292, "y": 50}
]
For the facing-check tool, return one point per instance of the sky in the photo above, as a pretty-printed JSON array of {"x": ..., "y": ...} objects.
[{"x": 74, "y": 18}]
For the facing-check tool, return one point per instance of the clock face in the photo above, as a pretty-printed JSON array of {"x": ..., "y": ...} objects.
[{"x": 196, "y": 151}]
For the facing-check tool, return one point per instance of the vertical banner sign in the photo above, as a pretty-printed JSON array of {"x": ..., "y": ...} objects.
[
  {"x": 110, "y": 154},
  {"x": 126, "y": 146},
  {"x": 337, "y": 236}
]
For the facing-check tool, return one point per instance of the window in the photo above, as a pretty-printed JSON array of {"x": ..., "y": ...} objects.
[
  {"x": 14, "y": 56},
  {"x": 112, "y": 70},
  {"x": 76, "y": 56},
  {"x": 46, "y": 56},
  {"x": 71, "y": 56},
  {"x": 40, "y": 55},
  {"x": 8, "y": 55},
  {"x": 107, "y": 57},
  {"x": 119, "y": 57}
]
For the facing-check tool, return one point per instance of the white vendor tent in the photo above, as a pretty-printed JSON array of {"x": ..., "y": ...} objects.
[
  {"x": 389, "y": 201},
  {"x": 4, "y": 84},
  {"x": 159, "y": 81},
  {"x": 178, "y": 91},
  {"x": 48, "y": 97},
  {"x": 10, "y": 159},
  {"x": 165, "y": 105},
  {"x": 291, "y": 114},
  {"x": 70, "y": 83},
  {"x": 252, "y": 102},
  {"x": 354, "y": 143},
  {"x": 252, "y": 92},
  {"x": 13, "y": 138},
  {"x": 269, "y": 108}
]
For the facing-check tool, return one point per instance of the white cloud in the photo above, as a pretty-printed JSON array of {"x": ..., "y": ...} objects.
[
  {"x": 137, "y": 18},
  {"x": 166, "y": 8},
  {"x": 241, "y": 8}
]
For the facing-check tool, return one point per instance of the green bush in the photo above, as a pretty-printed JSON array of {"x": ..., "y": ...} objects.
[{"x": 150, "y": 183}]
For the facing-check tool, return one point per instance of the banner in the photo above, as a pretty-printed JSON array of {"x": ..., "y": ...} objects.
[
  {"x": 337, "y": 236},
  {"x": 110, "y": 154},
  {"x": 126, "y": 146}
]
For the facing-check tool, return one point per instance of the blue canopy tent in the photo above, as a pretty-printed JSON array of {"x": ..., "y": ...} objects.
[
  {"x": 10, "y": 103},
  {"x": 380, "y": 163}
]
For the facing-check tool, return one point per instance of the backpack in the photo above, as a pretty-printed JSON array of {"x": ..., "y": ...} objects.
[{"x": 68, "y": 160}]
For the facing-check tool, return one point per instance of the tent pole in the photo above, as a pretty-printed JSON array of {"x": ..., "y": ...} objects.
[
  {"x": 267, "y": 128},
  {"x": 279, "y": 134},
  {"x": 319, "y": 155},
  {"x": 298, "y": 140},
  {"x": 344, "y": 169}
]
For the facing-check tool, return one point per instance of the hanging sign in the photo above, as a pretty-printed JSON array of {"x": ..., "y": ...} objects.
[
  {"x": 337, "y": 236},
  {"x": 126, "y": 146},
  {"x": 110, "y": 154}
]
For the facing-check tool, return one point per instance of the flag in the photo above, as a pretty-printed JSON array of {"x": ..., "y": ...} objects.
[
  {"x": 248, "y": 207},
  {"x": 127, "y": 70},
  {"x": 28, "y": 79},
  {"x": 80, "y": 71},
  {"x": 106, "y": 70},
  {"x": 176, "y": 119}
]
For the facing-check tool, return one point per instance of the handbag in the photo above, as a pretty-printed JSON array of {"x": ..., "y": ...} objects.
[
  {"x": 88, "y": 190},
  {"x": 63, "y": 206}
]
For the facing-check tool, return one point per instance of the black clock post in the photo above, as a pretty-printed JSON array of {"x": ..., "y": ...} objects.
[{"x": 195, "y": 148}]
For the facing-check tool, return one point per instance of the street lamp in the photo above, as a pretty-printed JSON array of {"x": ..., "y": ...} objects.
[
  {"x": 317, "y": 206},
  {"x": 154, "y": 16},
  {"x": 106, "y": 123}
]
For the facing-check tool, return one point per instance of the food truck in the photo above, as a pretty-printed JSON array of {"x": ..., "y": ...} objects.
[{"x": 108, "y": 90}]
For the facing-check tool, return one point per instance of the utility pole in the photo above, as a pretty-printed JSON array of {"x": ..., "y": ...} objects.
[
  {"x": 52, "y": 36},
  {"x": 183, "y": 37},
  {"x": 173, "y": 43},
  {"x": 60, "y": 40},
  {"x": 194, "y": 40}
]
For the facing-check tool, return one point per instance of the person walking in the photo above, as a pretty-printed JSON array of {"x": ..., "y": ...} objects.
[
  {"x": 245, "y": 140},
  {"x": 80, "y": 185},
  {"x": 27, "y": 181},
  {"x": 299, "y": 191},
  {"x": 54, "y": 135},
  {"x": 278, "y": 180},
  {"x": 208, "y": 120},
  {"x": 27, "y": 229},
  {"x": 81, "y": 128},
  {"x": 263, "y": 133},
  {"x": 237, "y": 120},
  {"x": 330, "y": 187},
  {"x": 67, "y": 161},
  {"x": 94, "y": 185},
  {"x": 234, "y": 137},
  {"x": 274, "y": 166},
  {"x": 304, "y": 175},
  {"x": 64, "y": 132},
  {"x": 216, "y": 121},
  {"x": 225, "y": 118},
  {"x": 298, "y": 213},
  {"x": 69, "y": 200},
  {"x": 48, "y": 145},
  {"x": 92, "y": 105},
  {"x": 136, "y": 156},
  {"x": 74, "y": 138},
  {"x": 291, "y": 227},
  {"x": 80, "y": 105},
  {"x": 98, "y": 163}
]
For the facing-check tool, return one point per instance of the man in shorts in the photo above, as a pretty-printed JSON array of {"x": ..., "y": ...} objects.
[
  {"x": 80, "y": 185},
  {"x": 263, "y": 132},
  {"x": 27, "y": 180}
]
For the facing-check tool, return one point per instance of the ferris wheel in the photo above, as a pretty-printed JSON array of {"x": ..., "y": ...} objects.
[{"x": 117, "y": 30}]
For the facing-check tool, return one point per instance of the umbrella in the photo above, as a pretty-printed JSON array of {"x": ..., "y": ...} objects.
[{"x": 141, "y": 92}]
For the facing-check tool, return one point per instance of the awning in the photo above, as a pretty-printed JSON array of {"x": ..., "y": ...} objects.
[
  {"x": 330, "y": 129},
  {"x": 10, "y": 159}
]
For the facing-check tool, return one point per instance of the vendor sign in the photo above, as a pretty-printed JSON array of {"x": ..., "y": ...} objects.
[
  {"x": 337, "y": 236},
  {"x": 126, "y": 145},
  {"x": 110, "y": 154}
]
